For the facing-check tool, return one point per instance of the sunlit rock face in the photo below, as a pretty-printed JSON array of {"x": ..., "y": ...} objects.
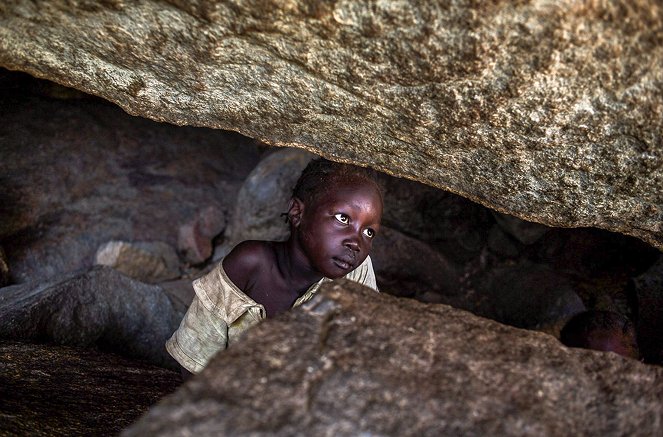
[
  {"x": 352, "y": 362},
  {"x": 550, "y": 111}
]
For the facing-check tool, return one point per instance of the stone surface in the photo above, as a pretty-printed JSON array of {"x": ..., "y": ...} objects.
[
  {"x": 145, "y": 261},
  {"x": 99, "y": 307},
  {"x": 263, "y": 198},
  {"x": 180, "y": 292},
  {"x": 526, "y": 296},
  {"x": 549, "y": 111},
  {"x": 523, "y": 231},
  {"x": 453, "y": 225},
  {"x": 78, "y": 173},
  {"x": 49, "y": 390},
  {"x": 649, "y": 293},
  {"x": 195, "y": 237},
  {"x": 355, "y": 363},
  {"x": 407, "y": 267}
]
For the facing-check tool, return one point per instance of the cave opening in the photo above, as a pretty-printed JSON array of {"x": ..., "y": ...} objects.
[{"x": 85, "y": 184}]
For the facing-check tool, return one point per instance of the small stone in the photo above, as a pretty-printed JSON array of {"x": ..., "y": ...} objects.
[
  {"x": 149, "y": 262},
  {"x": 195, "y": 238}
]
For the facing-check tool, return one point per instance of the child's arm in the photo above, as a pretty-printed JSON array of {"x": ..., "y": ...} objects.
[{"x": 200, "y": 335}]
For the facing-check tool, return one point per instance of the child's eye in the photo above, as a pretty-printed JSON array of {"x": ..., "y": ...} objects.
[
  {"x": 342, "y": 218},
  {"x": 370, "y": 233}
]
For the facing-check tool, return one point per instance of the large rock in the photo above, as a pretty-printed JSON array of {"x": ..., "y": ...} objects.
[
  {"x": 75, "y": 174},
  {"x": 263, "y": 198},
  {"x": 50, "y": 390},
  {"x": 550, "y": 111},
  {"x": 352, "y": 362},
  {"x": 99, "y": 307},
  {"x": 407, "y": 267},
  {"x": 527, "y": 296}
]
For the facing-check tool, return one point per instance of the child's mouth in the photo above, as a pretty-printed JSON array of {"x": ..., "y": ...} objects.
[{"x": 344, "y": 265}]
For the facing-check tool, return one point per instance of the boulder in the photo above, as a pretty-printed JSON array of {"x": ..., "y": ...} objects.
[
  {"x": 99, "y": 307},
  {"x": 548, "y": 111},
  {"x": 523, "y": 231},
  {"x": 263, "y": 198},
  {"x": 195, "y": 237},
  {"x": 145, "y": 261},
  {"x": 527, "y": 296},
  {"x": 59, "y": 390},
  {"x": 407, "y": 267},
  {"x": 76, "y": 174},
  {"x": 353, "y": 362}
]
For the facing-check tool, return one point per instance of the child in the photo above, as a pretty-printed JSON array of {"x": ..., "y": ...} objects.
[
  {"x": 602, "y": 331},
  {"x": 334, "y": 215}
]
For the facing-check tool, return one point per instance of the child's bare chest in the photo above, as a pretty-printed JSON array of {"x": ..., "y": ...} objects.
[{"x": 272, "y": 293}]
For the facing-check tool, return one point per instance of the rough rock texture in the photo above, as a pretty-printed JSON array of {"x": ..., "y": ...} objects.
[
  {"x": 550, "y": 111},
  {"x": 99, "y": 307},
  {"x": 145, "y": 261},
  {"x": 195, "y": 238},
  {"x": 76, "y": 174},
  {"x": 48, "y": 390},
  {"x": 405, "y": 266},
  {"x": 355, "y": 363},
  {"x": 263, "y": 197},
  {"x": 525, "y": 232}
]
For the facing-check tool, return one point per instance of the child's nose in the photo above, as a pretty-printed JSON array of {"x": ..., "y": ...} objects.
[{"x": 352, "y": 243}]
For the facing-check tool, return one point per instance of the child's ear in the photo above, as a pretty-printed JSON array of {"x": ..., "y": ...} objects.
[{"x": 295, "y": 211}]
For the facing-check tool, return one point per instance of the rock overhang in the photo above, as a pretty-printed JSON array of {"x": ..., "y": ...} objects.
[{"x": 550, "y": 112}]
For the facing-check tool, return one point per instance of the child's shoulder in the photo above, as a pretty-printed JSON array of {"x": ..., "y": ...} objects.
[{"x": 242, "y": 263}]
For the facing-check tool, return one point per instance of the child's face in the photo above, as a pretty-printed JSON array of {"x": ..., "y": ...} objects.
[{"x": 337, "y": 231}]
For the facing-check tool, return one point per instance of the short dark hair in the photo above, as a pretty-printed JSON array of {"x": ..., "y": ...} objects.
[
  {"x": 582, "y": 327},
  {"x": 320, "y": 176}
]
